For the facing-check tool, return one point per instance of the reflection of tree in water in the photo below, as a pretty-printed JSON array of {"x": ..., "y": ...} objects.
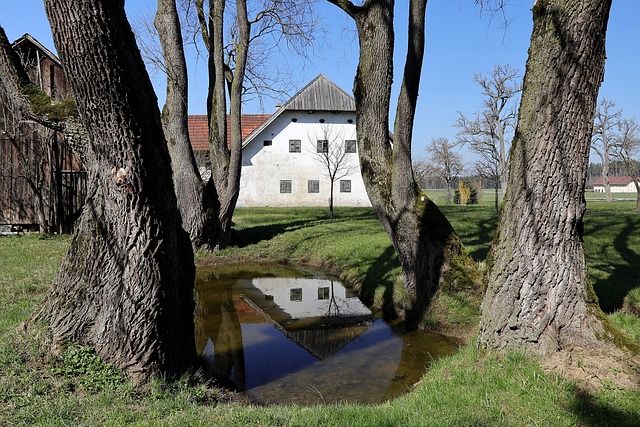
[
  {"x": 217, "y": 321},
  {"x": 333, "y": 309},
  {"x": 332, "y": 330}
]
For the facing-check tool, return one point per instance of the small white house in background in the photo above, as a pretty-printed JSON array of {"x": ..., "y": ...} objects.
[
  {"x": 284, "y": 155},
  {"x": 617, "y": 184}
]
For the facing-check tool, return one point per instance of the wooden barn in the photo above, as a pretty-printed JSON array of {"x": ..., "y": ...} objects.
[{"x": 42, "y": 182}]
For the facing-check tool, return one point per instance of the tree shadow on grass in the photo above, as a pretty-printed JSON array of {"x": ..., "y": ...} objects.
[
  {"x": 378, "y": 275},
  {"x": 482, "y": 237},
  {"x": 252, "y": 235},
  {"x": 594, "y": 413},
  {"x": 624, "y": 276}
]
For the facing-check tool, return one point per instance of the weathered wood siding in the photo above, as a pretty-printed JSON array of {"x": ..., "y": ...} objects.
[{"x": 38, "y": 154}]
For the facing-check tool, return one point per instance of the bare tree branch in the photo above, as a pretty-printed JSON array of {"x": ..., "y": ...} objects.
[
  {"x": 335, "y": 158},
  {"x": 489, "y": 131},
  {"x": 605, "y": 124},
  {"x": 445, "y": 163},
  {"x": 626, "y": 149}
]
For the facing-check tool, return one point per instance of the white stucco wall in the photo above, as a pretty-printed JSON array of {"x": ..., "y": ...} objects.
[
  {"x": 629, "y": 188},
  {"x": 263, "y": 167},
  {"x": 336, "y": 302}
]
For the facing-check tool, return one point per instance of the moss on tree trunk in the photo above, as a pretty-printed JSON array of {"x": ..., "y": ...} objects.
[{"x": 539, "y": 298}]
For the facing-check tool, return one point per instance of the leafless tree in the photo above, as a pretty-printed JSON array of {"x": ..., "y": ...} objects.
[
  {"x": 196, "y": 205},
  {"x": 605, "y": 125},
  {"x": 423, "y": 238},
  {"x": 422, "y": 173},
  {"x": 238, "y": 41},
  {"x": 445, "y": 163},
  {"x": 278, "y": 29},
  {"x": 335, "y": 156},
  {"x": 231, "y": 33},
  {"x": 489, "y": 131},
  {"x": 626, "y": 148}
]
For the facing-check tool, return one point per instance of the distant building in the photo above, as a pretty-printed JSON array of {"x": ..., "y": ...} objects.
[
  {"x": 30, "y": 153},
  {"x": 280, "y": 165},
  {"x": 617, "y": 184}
]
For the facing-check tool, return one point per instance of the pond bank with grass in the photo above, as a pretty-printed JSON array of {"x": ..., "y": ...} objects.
[{"x": 468, "y": 388}]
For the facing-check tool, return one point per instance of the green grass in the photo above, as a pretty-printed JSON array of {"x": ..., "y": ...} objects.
[
  {"x": 612, "y": 251},
  {"x": 27, "y": 266},
  {"x": 591, "y": 196},
  {"x": 466, "y": 389}
]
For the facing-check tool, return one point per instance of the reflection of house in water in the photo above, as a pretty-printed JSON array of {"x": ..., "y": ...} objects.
[
  {"x": 305, "y": 341},
  {"x": 322, "y": 316}
]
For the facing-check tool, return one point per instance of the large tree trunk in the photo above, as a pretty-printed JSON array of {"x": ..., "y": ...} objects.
[
  {"x": 194, "y": 202},
  {"x": 422, "y": 237},
  {"x": 226, "y": 155},
  {"x": 126, "y": 284},
  {"x": 539, "y": 298}
]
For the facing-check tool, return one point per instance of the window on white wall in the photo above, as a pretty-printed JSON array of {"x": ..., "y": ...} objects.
[
  {"x": 267, "y": 143},
  {"x": 295, "y": 294},
  {"x": 350, "y": 146},
  {"x": 322, "y": 146},
  {"x": 313, "y": 186},
  {"x": 323, "y": 293},
  {"x": 345, "y": 186},
  {"x": 295, "y": 146},
  {"x": 285, "y": 186}
]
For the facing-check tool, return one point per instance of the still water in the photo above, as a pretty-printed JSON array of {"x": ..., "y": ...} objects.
[{"x": 306, "y": 339}]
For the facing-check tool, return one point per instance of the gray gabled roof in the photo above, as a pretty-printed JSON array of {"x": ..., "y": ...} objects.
[
  {"x": 321, "y": 94},
  {"x": 28, "y": 38}
]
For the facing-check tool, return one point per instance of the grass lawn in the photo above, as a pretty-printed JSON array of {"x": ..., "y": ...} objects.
[{"x": 466, "y": 389}]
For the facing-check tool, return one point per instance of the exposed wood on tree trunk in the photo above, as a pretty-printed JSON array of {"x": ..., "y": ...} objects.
[
  {"x": 126, "y": 284},
  {"x": 194, "y": 202},
  {"x": 539, "y": 298}
]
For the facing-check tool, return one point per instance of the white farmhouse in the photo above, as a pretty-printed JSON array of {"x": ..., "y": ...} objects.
[
  {"x": 617, "y": 184},
  {"x": 288, "y": 158}
]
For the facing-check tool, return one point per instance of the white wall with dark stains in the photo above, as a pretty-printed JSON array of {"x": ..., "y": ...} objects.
[{"x": 264, "y": 166}]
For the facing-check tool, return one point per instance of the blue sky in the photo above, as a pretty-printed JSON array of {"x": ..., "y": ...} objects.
[{"x": 460, "y": 42}]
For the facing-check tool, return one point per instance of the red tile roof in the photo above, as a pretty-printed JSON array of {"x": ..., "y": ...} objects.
[
  {"x": 199, "y": 128},
  {"x": 614, "y": 180}
]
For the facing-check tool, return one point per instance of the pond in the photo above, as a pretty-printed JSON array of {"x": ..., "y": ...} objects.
[{"x": 304, "y": 338}]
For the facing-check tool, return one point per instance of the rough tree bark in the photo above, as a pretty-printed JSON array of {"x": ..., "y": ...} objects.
[
  {"x": 194, "y": 202},
  {"x": 539, "y": 298},
  {"x": 126, "y": 284},
  {"x": 226, "y": 156},
  {"x": 423, "y": 238}
]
